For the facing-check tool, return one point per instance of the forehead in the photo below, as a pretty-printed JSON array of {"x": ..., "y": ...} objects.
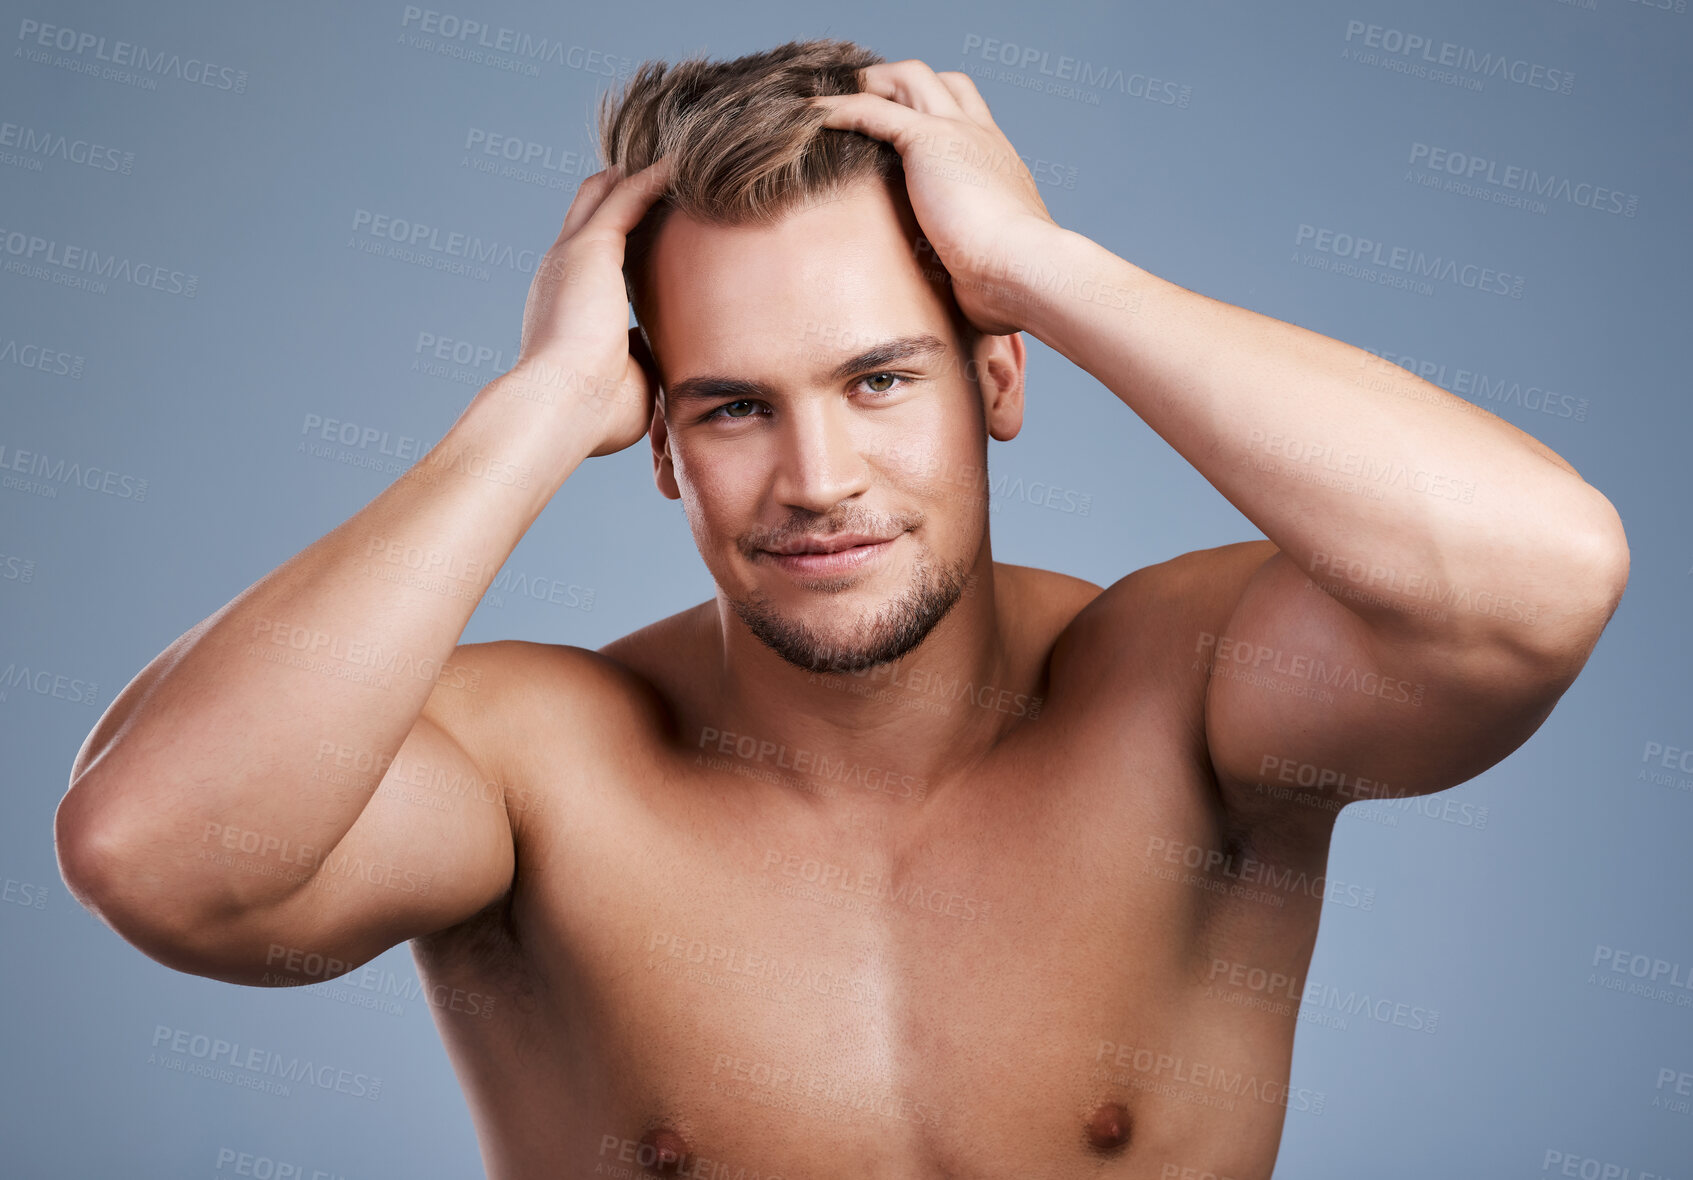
[{"x": 824, "y": 281}]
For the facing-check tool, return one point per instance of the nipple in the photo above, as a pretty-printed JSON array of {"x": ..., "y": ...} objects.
[
  {"x": 1108, "y": 1129},
  {"x": 663, "y": 1151}
]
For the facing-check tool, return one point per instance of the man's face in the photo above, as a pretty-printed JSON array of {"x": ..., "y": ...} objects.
[{"x": 816, "y": 398}]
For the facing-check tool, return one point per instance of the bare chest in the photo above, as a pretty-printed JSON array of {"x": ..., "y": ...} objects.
[{"x": 729, "y": 971}]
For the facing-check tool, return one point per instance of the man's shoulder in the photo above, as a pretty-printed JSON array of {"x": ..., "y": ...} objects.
[
  {"x": 1147, "y": 619},
  {"x": 504, "y": 671},
  {"x": 1220, "y": 571},
  {"x": 515, "y": 691},
  {"x": 546, "y": 721},
  {"x": 1193, "y": 584}
]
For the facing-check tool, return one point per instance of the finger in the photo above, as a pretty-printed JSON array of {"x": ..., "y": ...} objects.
[
  {"x": 630, "y": 198},
  {"x": 589, "y": 194},
  {"x": 873, "y": 115},
  {"x": 969, "y": 99},
  {"x": 912, "y": 83}
]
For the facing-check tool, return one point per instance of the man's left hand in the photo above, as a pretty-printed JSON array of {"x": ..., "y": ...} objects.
[{"x": 974, "y": 198}]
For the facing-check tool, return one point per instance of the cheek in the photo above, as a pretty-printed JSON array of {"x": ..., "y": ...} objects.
[
  {"x": 948, "y": 461},
  {"x": 720, "y": 485},
  {"x": 932, "y": 438}
]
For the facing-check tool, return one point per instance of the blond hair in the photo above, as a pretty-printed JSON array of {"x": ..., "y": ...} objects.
[{"x": 748, "y": 148}]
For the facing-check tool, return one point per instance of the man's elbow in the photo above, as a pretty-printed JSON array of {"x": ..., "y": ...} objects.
[
  {"x": 1588, "y": 584},
  {"x": 1601, "y": 562},
  {"x": 123, "y": 883}
]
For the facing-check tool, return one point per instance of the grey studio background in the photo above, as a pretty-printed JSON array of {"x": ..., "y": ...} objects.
[{"x": 246, "y": 375}]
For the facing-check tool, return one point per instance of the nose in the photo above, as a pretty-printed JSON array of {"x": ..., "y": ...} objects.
[{"x": 821, "y": 463}]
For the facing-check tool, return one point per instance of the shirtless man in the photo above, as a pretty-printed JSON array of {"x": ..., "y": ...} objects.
[{"x": 890, "y": 860}]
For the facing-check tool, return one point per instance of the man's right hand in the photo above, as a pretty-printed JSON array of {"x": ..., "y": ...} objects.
[{"x": 577, "y": 345}]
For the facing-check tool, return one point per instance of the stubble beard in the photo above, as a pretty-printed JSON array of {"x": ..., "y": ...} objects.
[{"x": 895, "y": 629}]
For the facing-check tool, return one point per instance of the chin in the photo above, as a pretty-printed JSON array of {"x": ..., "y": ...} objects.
[{"x": 841, "y": 635}]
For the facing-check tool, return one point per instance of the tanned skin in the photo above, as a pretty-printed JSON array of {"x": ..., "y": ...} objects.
[{"x": 739, "y": 894}]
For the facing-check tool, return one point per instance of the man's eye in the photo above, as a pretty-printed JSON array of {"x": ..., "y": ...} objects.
[
  {"x": 887, "y": 377},
  {"x": 736, "y": 409},
  {"x": 748, "y": 407}
]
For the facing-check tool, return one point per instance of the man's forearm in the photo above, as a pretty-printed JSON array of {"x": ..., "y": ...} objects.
[
  {"x": 1329, "y": 450},
  {"x": 227, "y": 728}
]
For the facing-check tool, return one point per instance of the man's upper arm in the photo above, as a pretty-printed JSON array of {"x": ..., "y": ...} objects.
[
  {"x": 433, "y": 845},
  {"x": 1308, "y": 708}
]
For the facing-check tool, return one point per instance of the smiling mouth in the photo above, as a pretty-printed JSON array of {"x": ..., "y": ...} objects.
[
  {"x": 830, "y": 544},
  {"x": 829, "y": 555}
]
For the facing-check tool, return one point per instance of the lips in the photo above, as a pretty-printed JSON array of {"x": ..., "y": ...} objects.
[
  {"x": 830, "y": 544},
  {"x": 832, "y": 556}
]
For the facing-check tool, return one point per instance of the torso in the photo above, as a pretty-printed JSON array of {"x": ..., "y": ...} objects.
[{"x": 997, "y": 980}]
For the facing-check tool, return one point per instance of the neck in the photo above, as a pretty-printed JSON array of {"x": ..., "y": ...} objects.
[{"x": 893, "y": 734}]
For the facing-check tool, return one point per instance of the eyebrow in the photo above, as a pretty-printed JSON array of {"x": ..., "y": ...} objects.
[{"x": 711, "y": 387}]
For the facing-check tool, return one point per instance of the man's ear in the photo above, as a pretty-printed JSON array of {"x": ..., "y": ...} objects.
[
  {"x": 664, "y": 472},
  {"x": 998, "y": 363}
]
